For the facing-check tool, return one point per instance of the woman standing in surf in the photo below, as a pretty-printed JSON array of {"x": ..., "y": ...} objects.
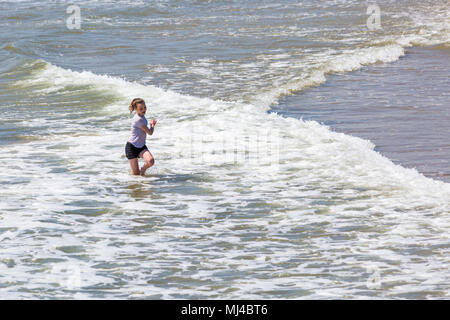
[{"x": 135, "y": 147}]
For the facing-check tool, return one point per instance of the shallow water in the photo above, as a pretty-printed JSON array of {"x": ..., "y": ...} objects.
[
  {"x": 401, "y": 107},
  {"x": 242, "y": 202}
]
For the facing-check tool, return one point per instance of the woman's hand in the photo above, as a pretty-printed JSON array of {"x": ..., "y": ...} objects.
[{"x": 147, "y": 129}]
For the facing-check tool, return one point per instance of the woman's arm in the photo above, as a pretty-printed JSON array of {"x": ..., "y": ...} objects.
[{"x": 147, "y": 129}]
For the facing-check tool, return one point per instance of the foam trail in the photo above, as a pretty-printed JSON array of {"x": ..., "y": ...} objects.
[
  {"x": 331, "y": 199},
  {"x": 75, "y": 224},
  {"x": 349, "y": 60},
  {"x": 181, "y": 113}
]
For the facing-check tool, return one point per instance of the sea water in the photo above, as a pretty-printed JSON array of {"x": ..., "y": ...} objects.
[{"x": 267, "y": 184}]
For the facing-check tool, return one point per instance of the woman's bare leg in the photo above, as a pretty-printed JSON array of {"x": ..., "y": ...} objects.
[
  {"x": 134, "y": 164},
  {"x": 149, "y": 160}
]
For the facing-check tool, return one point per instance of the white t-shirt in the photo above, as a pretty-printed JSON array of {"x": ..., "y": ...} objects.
[{"x": 138, "y": 135}]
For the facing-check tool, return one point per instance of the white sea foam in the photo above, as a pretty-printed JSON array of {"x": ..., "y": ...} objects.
[
  {"x": 348, "y": 60},
  {"x": 183, "y": 114},
  {"x": 327, "y": 184},
  {"x": 75, "y": 224}
]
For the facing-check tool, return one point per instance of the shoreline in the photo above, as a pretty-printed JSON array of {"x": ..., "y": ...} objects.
[{"x": 399, "y": 106}]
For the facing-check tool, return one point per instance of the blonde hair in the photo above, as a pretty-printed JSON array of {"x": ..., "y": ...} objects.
[{"x": 134, "y": 103}]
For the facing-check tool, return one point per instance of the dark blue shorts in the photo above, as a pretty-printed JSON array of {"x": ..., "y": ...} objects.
[{"x": 132, "y": 152}]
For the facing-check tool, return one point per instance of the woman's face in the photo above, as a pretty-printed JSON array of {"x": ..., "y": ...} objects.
[{"x": 141, "y": 109}]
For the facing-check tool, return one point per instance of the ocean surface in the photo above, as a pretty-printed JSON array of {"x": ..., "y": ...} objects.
[{"x": 300, "y": 152}]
